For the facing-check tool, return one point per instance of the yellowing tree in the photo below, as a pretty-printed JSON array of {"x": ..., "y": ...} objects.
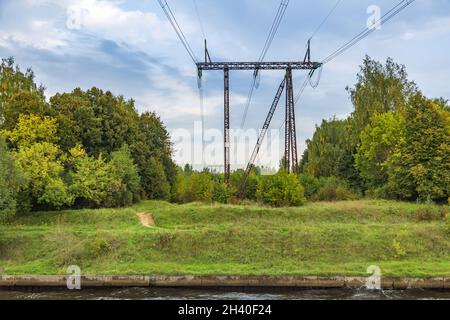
[
  {"x": 43, "y": 167},
  {"x": 32, "y": 129}
]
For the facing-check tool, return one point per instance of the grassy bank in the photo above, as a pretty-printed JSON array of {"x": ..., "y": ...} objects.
[{"x": 341, "y": 238}]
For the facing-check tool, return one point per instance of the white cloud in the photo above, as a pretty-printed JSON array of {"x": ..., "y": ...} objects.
[{"x": 107, "y": 20}]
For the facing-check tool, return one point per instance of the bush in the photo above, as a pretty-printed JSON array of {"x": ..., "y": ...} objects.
[
  {"x": 200, "y": 187},
  {"x": 333, "y": 190},
  {"x": 281, "y": 189},
  {"x": 222, "y": 192},
  {"x": 195, "y": 186},
  {"x": 251, "y": 186},
  {"x": 310, "y": 183}
]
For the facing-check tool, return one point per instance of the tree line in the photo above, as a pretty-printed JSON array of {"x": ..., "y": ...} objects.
[
  {"x": 78, "y": 149},
  {"x": 93, "y": 149},
  {"x": 394, "y": 145}
]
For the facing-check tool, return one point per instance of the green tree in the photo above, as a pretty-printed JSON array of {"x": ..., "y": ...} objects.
[
  {"x": 19, "y": 94},
  {"x": 325, "y": 148},
  {"x": 31, "y": 129},
  {"x": 154, "y": 177},
  {"x": 124, "y": 189},
  {"x": 251, "y": 185},
  {"x": 152, "y": 151},
  {"x": 180, "y": 189},
  {"x": 102, "y": 123},
  {"x": 379, "y": 89},
  {"x": 421, "y": 165},
  {"x": 42, "y": 165},
  {"x": 77, "y": 121},
  {"x": 200, "y": 187},
  {"x": 281, "y": 189},
  {"x": 379, "y": 141},
  {"x": 11, "y": 181},
  {"x": 90, "y": 178}
]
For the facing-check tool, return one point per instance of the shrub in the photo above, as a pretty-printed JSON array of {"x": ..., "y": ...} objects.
[
  {"x": 200, "y": 187},
  {"x": 251, "y": 186},
  {"x": 398, "y": 250},
  {"x": 281, "y": 189},
  {"x": 334, "y": 190},
  {"x": 222, "y": 192},
  {"x": 195, "y": 186},
  {"x": 310, "y": 183}
]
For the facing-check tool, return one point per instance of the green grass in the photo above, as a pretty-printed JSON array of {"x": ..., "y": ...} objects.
[{"x": 342, "y": 238}]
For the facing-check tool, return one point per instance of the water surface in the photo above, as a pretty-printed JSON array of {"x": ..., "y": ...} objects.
[{"x": 221, "y": 294}]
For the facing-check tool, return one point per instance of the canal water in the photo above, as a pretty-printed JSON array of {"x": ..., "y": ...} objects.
[{"x": 221, "y": 294}]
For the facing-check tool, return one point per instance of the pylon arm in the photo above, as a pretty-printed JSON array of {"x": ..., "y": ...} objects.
[{"x": 303, "y": 65}]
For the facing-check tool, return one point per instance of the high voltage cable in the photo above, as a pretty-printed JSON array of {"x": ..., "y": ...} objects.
[
  {"x": 321, "y": 24},
  {"x": 274, "y": 29},
  {"x": 325, "y": 19},
  {"x": 367, "y": 31},
  {"x": 363, "y": 34},
  {"x": 272, "y": 33},
  {"x": 311, "y": 73},
  {"x": 201, "y": 88},
  {"x": 176, "y": 27},
  {"x": 197, "y": 12}
]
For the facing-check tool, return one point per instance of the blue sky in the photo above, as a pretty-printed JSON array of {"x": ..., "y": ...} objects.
[{"x": 128, "y": 47}]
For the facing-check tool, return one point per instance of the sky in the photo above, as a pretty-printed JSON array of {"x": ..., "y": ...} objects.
[{"x": 129, "y": 48}]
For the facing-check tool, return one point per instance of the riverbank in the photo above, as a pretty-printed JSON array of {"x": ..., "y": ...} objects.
[
  {"x": 438, "y": 283},
  {"x": 322, "y": 239}
]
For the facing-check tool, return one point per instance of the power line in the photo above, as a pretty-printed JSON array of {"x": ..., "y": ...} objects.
[
  {"x": 270, "y": 37},
  {"x": 311, "y": 73},
  {"x": 202, "y": 88},
  {"x": 200, "y": 21},
  {"x": 367, "y": 31},
  {"x": 274, "y": 29},
  {"x": 176, "y": 27},
  {"x": 325, "y": 19}
]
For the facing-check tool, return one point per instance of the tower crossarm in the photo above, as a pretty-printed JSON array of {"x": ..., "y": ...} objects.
[{"x": 300, "y": 65}]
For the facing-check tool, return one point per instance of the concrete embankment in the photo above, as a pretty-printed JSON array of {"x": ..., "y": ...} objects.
[{"x": 224, "y": 281}]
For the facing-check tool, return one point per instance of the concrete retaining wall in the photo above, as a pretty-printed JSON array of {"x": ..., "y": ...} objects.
[{"x": 223, "y": 281}]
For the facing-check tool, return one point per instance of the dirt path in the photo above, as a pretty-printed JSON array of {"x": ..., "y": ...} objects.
[{"x": 146, "y": 219}]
